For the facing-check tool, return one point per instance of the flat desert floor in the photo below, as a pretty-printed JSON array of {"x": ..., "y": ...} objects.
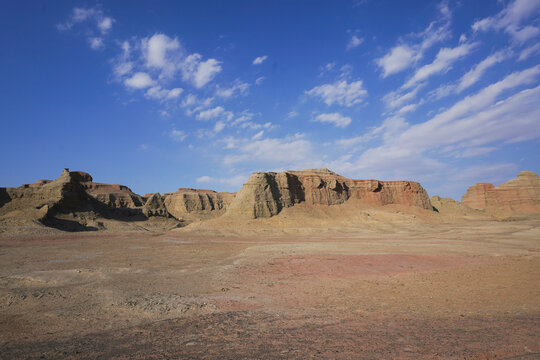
[{"x": 440, "y": 291}]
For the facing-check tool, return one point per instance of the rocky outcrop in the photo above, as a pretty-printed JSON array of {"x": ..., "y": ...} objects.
[
  {"x": 155, "y": 206},
  {"x": 267, "y": 193},
  {"x": 113, "y": 195},
  {"x": 519, "y": 195},
  {"x": 187, "y": 202},
  {"x": 73, "y": 202},
  {"x": 45, "y": 197}
]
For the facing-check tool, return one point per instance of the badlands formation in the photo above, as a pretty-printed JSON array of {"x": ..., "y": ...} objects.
[{"x": 296, "y": 264}]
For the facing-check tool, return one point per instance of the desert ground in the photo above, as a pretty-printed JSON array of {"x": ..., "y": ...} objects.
[{"x": 381, "y": 284}]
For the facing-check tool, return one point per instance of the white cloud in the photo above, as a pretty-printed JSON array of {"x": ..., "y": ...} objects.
[
  {"x": 259, "y": 60},
  {"x": 217, "y": 112},
  {"x": 260, "y": 80},
  {"x": 354, "y": 42},
  {"x": 96, "y": 43},
  {"x": 161, "y": 52},
  {"x": 442, "y": 63},
  {"x": 397, "y": 98},
  {"x": 405, "y": 54},
  {"x": 398, "y": 59},
  {"x": 235, "y": 181},
  {"x": 340, "y": 93},
  {"x": 511, "y": 18},
  {"x": 123, "y": 68},
  {"x": 157, "y": 92},
  {"x": 139, "y": 80},
  {"x": 291, "y": 114},
  {"x": 258, "y": 135},
  {"x": 204, "y": 179},
  {"x": 473, "y": 75},
  {"x": 238, "y": 87},
  {"x": 407, "y": 108},
  {"x": 220, "y": 125},
  {"x": 335, "y": 119},
  {"x": 177, "y": 135},
  {"x": 100, "y": 23},
  {"x": 480, "y": 119},
  {"x": 200, "y": 72},
  {"x": 293, "y": 152},
  {"x": 528, "y": 52},
  {"x": 105, "y": 24}
]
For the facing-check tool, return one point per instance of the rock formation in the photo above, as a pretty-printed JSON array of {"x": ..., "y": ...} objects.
[
  {"x": 73, "y": 201},
  {"x": 155, "y": 206},
  {"x": 267, "y": 193},
  {"x": 197, "y": 203},
  {"x": 45, "y": 198},
  {"x": 519, "y": 195}
]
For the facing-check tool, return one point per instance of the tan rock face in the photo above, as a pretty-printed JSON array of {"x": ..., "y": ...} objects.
[
  {"x": 155, "y": 206},
  {"x": 37, "y": 201},
  {"x": 519, "y": 195},
  {"x": 113, "y": 195},
  {"x": 267, "y": 193},
  {"x": 197, "y": 201}
]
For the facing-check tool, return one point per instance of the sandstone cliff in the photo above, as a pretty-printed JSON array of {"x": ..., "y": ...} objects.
[
  {"x": 519, "y": 195},
  {"x": 197, "y": 203},
  {"x": 267, "y": 193}
]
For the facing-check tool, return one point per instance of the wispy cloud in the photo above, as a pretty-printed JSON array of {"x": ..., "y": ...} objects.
[
  {"x": 217, "y": 112},
  {"x": 99, "y": 25},
  {"x": 402, "y": 56},
  {"x": 238, "y": 88},
  {"x": 340, "y": 93},
  {"x": 200, "y": 72},
  {"x": 259, "y": 60},
  {"x": 335, "y": 119},
  {"x": 442, "y": 63},
  {"x": 354, "y": 42},
  {"x": 139, "y": 80},
  {"x": 177, "y": 135},
  {"x": 511, "y": 19}
]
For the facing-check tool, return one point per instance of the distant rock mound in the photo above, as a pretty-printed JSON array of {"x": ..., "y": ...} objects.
[
  {"x": 519, "y": 195},
  {"x": 74, "y": 202},
  {"x": 455, "y": 209},
  {"x": 197, "y": 203},
  {"x": 267, "y": 193}
]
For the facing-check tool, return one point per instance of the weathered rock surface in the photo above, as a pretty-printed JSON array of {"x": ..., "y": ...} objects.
[
  {"x": 44, "y": 199},
  {"x": 74, "y": 202},
  {"x": 113, "y": 195},
  {"x": 455, "y": 209},
  {"x": 267, "y": 193},
  {"x": 519, "y": 195},
  {"x": 155, "y": 206},
  {"x": 188, "y": 202}
]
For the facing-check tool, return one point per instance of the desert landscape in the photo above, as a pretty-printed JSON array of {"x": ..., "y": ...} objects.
[
  {"x": 308, "y": 179},
  {"x": 297, "y": 264}
]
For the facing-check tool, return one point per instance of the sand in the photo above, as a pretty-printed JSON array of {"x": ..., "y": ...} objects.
[{"x": 414, "y": 288}]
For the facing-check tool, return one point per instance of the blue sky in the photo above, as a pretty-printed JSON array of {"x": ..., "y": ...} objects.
[{"x": 166, "y": 94}]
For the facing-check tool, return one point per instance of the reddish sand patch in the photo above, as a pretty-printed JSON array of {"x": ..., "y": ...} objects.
[{"x": 347, "y": 266}]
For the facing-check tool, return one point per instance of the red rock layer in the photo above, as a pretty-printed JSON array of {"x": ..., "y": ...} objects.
[{"x": 519, "y": 195}]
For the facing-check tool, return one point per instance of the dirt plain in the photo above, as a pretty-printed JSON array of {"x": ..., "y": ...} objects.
[{"x": 373, "y": 285}]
